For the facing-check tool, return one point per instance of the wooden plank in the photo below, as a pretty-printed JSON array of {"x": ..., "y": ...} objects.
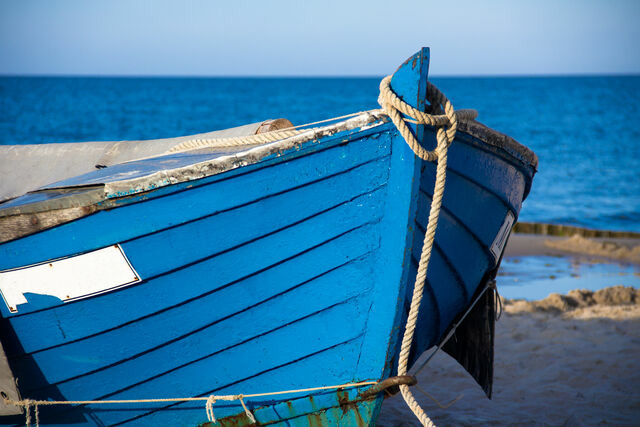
[
  {"x": 250, "y": 322},
  {"x": 161, "y": 293},
  {"x": 283, "y": 377},
  {"x": 235, "y": 370},
  {"x": 266, "y": 289},
  {"x": 153, "y": 213},
  {"x": 178, "y": 246}
]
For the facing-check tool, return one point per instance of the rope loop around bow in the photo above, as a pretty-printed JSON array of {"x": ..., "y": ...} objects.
[{"x": 446, "y": 123}]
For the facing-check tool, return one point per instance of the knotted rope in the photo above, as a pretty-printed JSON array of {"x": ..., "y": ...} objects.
[
  {"x": 394, "y": 107},
  {"x": 446, "y": 125},
  {"x": 211, "y": 400}
]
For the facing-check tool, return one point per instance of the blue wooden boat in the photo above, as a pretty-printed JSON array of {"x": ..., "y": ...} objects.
[{"x": 285, "y": 265}]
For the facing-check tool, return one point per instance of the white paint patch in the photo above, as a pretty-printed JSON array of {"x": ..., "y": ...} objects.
[
  {"x": 503, "y": 235},
  {"x": 69, "y": 279}
]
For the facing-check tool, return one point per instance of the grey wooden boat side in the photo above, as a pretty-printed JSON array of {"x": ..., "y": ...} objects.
[{"x": 25, "y": 168}]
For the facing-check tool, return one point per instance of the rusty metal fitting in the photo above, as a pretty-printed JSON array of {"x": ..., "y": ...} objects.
[{"x": 390, "y": 385}]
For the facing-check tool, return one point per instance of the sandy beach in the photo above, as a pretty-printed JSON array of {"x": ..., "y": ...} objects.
[
  {"x": 606, "y": 249},
  {"x": 569, "y": 360}
]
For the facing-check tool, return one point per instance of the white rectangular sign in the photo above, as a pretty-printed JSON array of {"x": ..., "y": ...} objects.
[
  {"x": 502, "y": 236},
  {"x": 68, "y": 279}
]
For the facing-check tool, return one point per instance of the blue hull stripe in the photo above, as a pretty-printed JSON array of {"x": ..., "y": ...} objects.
[
  {"x": 158, "y": 213},
  {"x": 349, "y": 269}
]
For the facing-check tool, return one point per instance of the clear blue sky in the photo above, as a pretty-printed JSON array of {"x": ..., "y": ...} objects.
[{"x": 329, "y": 37}]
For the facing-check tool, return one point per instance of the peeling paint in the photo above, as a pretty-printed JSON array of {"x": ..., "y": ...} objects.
[
  {"x": 366, "y": 120},
  {"x": 345, "y": 411}
]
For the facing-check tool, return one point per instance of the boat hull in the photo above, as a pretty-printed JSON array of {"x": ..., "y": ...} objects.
[
  {"x": 283, "y": 271},
  {"x": 263, "y": 282}
]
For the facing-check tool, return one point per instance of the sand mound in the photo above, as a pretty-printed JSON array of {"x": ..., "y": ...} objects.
[
  {"x": 608, "y": 249},
  {"x": 577, "y": 299},
  {"x": 575, "y": 369}
]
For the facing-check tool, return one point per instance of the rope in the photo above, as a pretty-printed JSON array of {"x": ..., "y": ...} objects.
[
  {"x": 498, "y": 300},
  {"x": 260, "y": 138},
  {"x": 446, "y": 125},
  {"x": 209, "y": 400},
  {"x": 395, "y": 107},
  {"x": 436, "y": 401}
]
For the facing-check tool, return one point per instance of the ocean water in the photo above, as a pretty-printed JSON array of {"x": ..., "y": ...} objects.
[{"x": 585, "y": 130}]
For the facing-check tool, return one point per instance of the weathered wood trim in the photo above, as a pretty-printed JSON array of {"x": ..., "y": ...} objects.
[
  {"x": 28, "y": 219},
  {"x": 500, "y": 140},
  {"x": 15, "y": 226}
]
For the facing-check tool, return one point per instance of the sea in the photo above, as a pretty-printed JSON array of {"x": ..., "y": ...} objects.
[{"x": 585, "y": 130}]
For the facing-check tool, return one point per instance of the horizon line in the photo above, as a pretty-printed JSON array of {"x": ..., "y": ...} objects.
[{"x": 311, "y": 76}]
